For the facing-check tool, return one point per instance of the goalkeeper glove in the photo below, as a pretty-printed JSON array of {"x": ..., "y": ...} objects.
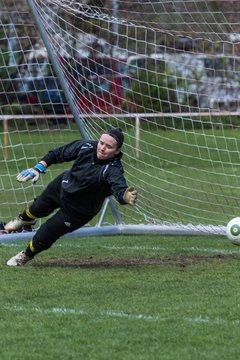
[
  {"x": 31, "y": 174},
  {"x": 130, "y": 195}
]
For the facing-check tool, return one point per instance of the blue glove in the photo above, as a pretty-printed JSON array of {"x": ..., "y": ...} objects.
[
  {"x": 31, "y": 174},
  {"x": 40, "y": 168}
]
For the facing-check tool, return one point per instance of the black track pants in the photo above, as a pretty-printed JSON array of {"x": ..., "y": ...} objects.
[
  {"x": 55, "y": 227},
  {"x": 60, "y": 223}
]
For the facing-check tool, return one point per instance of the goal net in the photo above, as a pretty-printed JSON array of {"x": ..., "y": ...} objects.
[{"x": 166, "y": 72}]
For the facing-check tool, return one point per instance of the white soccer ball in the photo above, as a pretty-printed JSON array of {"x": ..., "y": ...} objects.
[{"x": 233, "y": 231}]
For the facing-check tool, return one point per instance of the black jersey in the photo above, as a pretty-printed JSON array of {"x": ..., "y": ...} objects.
[{"x": 90, "y": 180}]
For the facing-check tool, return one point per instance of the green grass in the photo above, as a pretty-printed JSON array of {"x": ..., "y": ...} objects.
[
  {"x": 130, "y": 297},
  {"x": 126, "y": 297}
]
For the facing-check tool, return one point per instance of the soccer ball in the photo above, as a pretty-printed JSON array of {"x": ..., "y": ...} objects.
[{"x": 233, "y": 231}]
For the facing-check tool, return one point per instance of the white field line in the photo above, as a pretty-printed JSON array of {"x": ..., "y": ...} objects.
[
  {"x": 137, "y": 248},
  {"x": 198, "y": 319}
]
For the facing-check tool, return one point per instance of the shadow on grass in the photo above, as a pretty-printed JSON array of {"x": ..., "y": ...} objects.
[{"x": 180, "y": 261}]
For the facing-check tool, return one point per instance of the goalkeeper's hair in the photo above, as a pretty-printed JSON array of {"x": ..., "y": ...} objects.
[{"x": 117, "y": 134}]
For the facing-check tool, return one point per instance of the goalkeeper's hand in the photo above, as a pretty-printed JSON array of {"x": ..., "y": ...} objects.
[
  {"x": 130, "y": 195},
  {"x": 31, "y": 174}
]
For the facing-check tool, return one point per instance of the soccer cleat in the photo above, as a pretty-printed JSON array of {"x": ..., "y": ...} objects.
[
  {"x": 17, "y": 223},
  {"x": 19, "y": 260}
]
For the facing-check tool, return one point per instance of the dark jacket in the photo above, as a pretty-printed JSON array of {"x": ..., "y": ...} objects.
[{"x": 90, "y": 180}]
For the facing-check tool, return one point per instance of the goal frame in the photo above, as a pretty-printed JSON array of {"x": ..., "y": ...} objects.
[{"x": 167, "y": 228}]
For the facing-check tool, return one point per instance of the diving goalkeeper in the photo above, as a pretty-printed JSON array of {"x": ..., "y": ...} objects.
[{"x": 78, "y": 193}]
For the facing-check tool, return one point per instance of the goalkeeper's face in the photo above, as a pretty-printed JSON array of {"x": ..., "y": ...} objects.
[{"x": 107, "y": 147}]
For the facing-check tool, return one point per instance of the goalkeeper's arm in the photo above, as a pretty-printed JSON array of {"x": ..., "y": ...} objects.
[{"x": 33, "y": 173}]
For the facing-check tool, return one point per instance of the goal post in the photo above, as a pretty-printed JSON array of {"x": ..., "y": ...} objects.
[{"x": 166, "y": 73}]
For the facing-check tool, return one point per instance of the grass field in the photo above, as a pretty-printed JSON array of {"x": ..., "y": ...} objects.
[
  {"x": 126, "y": 297},
  {"x": 130, "y": 297}
]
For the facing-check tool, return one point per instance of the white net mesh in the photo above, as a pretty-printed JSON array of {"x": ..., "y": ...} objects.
[{"x": 166, "y": 72}]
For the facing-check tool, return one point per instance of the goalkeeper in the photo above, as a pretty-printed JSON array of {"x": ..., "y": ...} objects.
[{"x": 78, "y": 193}]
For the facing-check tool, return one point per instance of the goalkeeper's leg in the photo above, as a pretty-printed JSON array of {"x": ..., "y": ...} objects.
[
  {"x": 24, "y": 219},
  {"x": 55, "y": 227},
  {"x": 42, "y": 206}
]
